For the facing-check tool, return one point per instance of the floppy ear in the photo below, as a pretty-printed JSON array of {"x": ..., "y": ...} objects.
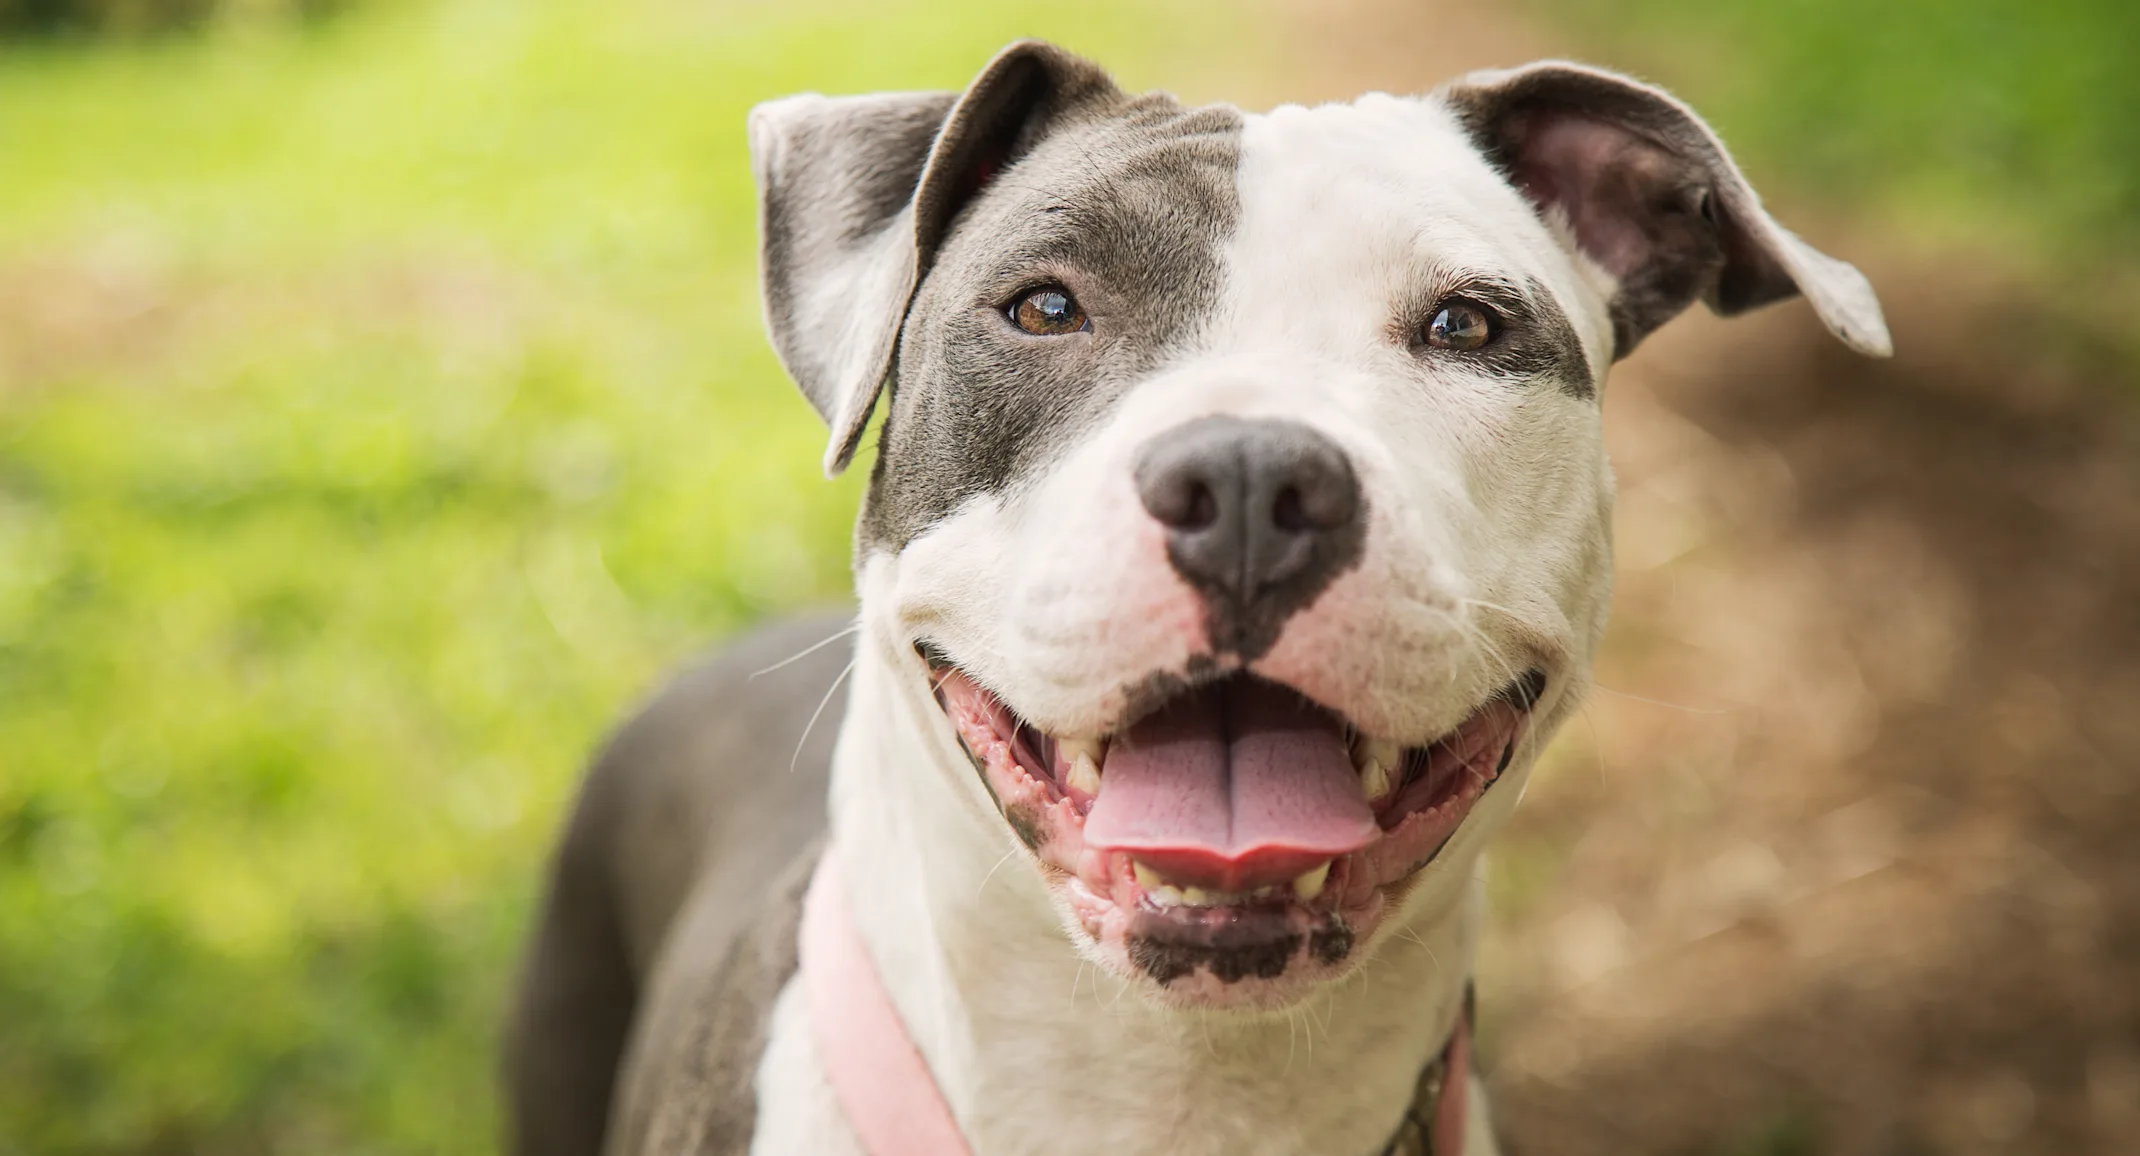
[
  {"x": 1647, "y": 192},
  {"x": 854, "y": 196}
]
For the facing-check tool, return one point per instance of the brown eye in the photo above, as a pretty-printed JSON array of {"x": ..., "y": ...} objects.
[
  {"x": 1458, "y": 325},
  {"x": 1048, "y": 311}
]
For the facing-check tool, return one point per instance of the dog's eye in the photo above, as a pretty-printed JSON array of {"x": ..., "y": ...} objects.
[
  {"x": 1458, "y": 325},
  {"x": 1048, "y": 311}
]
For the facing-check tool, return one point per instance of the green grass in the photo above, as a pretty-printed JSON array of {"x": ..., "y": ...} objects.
[
  {"x": 383, "y": 406},
  {"x": 2003, "y": 129}
]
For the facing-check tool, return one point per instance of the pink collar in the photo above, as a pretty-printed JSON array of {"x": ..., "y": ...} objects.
[
  {"x": 884, "y": 1086},
  {"x": 877, "y": 1074}
]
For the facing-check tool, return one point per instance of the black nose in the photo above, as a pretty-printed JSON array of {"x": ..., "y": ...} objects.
[{"x": 1260, "y": 515}]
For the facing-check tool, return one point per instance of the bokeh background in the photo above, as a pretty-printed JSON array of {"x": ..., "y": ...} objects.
[{"x": 383, "y": 410}]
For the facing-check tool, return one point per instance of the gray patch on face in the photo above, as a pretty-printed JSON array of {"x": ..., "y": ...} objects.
[{"x": 1128, "y": 204}]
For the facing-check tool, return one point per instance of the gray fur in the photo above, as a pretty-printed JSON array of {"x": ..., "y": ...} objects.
[
  {"x": 1127, "y": 203},
  {"x": 1651, "y": 194},
  {"x": 857, "y": 192},
  {"x": 836, "y": 180},
  {"x": 684, "y": 818},
  {"x": 701, "y": 1098}
]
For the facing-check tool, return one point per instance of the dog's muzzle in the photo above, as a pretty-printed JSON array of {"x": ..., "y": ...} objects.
[{"x": 1237, "y": 828}]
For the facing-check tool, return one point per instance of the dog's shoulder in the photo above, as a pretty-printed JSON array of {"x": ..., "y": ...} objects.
[
  {"x": 719, "y": 778},
  {"x": 662, "y": 931},
  {"x": 691, "y": 1090}
]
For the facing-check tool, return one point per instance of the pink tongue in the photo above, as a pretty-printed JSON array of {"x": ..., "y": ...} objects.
[{"x": 1239, "y": 785}]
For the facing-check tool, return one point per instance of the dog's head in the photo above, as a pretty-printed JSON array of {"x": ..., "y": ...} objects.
[{"x": 1241, "y": 500}]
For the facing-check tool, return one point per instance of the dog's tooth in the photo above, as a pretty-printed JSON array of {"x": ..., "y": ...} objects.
[
  {"x": 1084, "y": 775},
  {"x": 1366, "y": 750},
  {"x": 1310, "y": 884},
  {"x": 1374, "y": 779},
  {"x": 1374, "y": 759},
  {"x": 1073, "y": 747},
  {"x": 1165, "y": 895},
  {"x": 1196, "y": 897},
  {"x": 1146, "y": 877}
]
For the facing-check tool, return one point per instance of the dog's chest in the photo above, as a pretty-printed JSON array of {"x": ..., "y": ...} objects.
[
  {"x": 797, "y": 1112},
  {"x": 1151, "y": 1103}
]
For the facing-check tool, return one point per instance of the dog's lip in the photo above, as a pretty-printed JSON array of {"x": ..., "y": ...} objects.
[
  {"x": 1523, "y": 691},
  {"x": 1043, "y": 796}
]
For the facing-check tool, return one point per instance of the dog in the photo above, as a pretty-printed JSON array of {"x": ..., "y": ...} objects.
[{"x": 1239, "y": 530}]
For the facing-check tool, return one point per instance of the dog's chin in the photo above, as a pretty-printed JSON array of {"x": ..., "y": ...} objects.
[{"x": 1249, "y": 886}]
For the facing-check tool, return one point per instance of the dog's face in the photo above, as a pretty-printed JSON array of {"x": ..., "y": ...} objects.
[{"x": 1242, "y": 499}]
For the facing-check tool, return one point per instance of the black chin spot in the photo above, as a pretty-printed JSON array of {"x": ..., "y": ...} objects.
[
  {"x": 1166, "y": 961},
  {"x": 1331, "y": 945}
]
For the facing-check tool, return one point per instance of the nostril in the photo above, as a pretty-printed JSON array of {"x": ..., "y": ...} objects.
[
  {"x": 1203, "y": 508},
  {"x": 1288, "y": 512},
  {"x": 1318, "y": 501},
  {"x": 1182, "y": 502}
]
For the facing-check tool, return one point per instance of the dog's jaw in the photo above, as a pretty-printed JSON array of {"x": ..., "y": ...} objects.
[
  {"x": 1265, "y": 931},
  {"x": 977, "y": 952}
]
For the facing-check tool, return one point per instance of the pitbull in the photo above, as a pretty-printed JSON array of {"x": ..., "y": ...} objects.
[{"x": 1239, "y": 530}]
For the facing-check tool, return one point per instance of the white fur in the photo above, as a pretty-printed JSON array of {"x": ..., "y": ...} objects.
[{"x": 1488, "y": 551}]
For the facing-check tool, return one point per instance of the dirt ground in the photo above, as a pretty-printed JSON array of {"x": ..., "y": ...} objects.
[{"x": 1844, "y": 855}]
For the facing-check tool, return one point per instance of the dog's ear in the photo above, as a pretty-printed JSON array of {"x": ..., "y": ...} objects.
[
  {"x": 1645, "y": 190},
  {"x": 854, "y": 196}
]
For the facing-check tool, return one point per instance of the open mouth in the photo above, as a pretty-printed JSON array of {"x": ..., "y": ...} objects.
[{"x": 1238, "y": 828}]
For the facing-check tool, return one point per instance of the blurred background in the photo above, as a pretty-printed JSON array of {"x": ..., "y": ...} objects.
[{"x": 383, "y": 409}]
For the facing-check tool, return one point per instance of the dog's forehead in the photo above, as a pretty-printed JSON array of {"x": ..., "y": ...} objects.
[
  {"x": 1135, "y": 199},
  {"x": 1350, "y": 205}
]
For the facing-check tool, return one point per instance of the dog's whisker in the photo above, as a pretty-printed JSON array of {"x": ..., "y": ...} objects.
[
  {"x": 1486, "y": 648},
  {"x": 1597, "y": 744},
  {"x": 1658, "y": 701},
  {"x": 992, "y": 874},
  {"x": 822, "y": 703},
  {"x": 1432, "y": 957},
  {"x": 1491, "y": 606},
  {"x": 1475, "y": 639},
  {"x": 1329, "y": 1010},
  {"x": 809, "y": 650},
  {"x": 1292, "y": 1028}
]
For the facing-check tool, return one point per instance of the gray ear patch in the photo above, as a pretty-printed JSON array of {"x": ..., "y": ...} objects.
[
  {"x": 836, "y": 180},
  {"x": 1650, "y": 194},
  {"x": 855, "y": 194}
]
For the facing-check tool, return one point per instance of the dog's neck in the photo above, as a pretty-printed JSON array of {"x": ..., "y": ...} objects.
[{"x": 1038, "y": 1051}]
